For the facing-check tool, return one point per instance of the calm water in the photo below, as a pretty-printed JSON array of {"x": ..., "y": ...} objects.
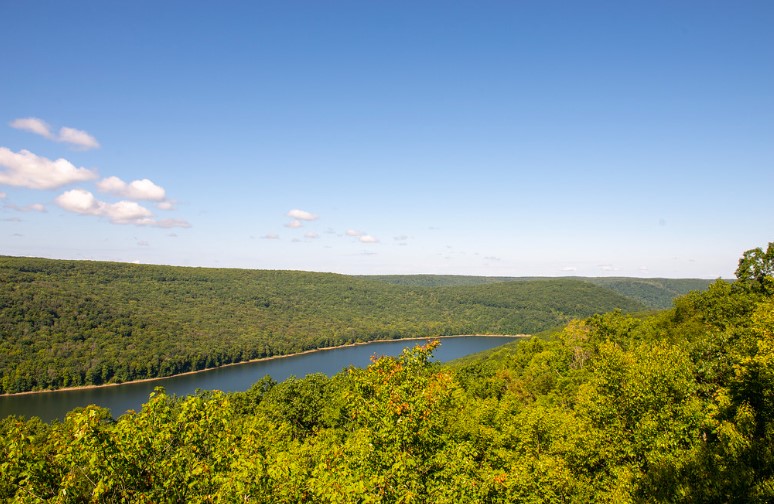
[{"x": 119, "y": 399}]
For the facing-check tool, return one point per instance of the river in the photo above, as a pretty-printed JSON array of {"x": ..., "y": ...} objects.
[{"x": 121, "y": 398}]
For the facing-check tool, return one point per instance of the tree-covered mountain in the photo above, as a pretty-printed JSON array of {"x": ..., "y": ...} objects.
[
  {"x": 440, "y": 280},
  {"x": 657, "y": 293},
  {"x": 675, "y": 406},
  {"x": 71, "y": 323}
]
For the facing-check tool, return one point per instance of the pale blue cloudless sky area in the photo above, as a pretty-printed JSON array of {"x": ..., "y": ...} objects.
[{"x": 490, "y": 138}]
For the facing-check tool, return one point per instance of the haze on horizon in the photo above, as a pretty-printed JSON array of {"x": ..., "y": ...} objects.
[{"x": 469, "y": 138}]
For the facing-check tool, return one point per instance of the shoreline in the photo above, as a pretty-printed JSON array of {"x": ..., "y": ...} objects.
[{"x": 262, "y": 359}]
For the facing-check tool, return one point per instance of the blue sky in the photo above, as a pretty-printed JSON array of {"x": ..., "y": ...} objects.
[{"x": 487, "y": 138}]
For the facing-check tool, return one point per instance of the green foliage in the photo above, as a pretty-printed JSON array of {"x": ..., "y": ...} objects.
[
  {"x": 72, "y": 323},
  {"x": 676, "y": 406},
  {"x": 655, "y": 293},
  {"x": 756, "y": 268}
]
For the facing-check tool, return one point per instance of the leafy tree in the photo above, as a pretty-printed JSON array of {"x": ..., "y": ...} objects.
[{"x": 756, "y": 268}]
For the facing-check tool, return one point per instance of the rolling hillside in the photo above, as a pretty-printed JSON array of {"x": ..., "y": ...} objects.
[
  {"x": 71, "y": 323},
  {"x": 655, "y": 293},
  {"x": 669, "y": 406}
]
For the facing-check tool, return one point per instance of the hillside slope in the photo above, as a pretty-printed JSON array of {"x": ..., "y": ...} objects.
[
  {"x": 653, "y": 292},
  {"x": 657, "y": 293},
  {"x": 674, "y": 406},
  {"x": 70, "y": 323}
]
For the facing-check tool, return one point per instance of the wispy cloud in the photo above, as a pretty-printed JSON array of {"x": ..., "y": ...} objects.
[
  {"x": 83, "y": 202},
  {"x": 294, "y": 224},
  {"x": 270, "y": 236},
  {"x": 362, "y": 236},
  {"x": 311, "y": 235},
  {"x": 72, "y": 136},
  {"x": 25, "y": 169},
  {"x": 33, "y": 125},
  {"x": 402, "y": 240},
  {"x": 78, "y": 138},
  {"x": 35, "y": 207},
  {"x": 170, "y": 223}
]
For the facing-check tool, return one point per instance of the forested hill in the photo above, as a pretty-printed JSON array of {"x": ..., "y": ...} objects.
[
  {"x": 655, "y": 293},
  {"x": 675, "y": 406},
  {"x": 71, "y": 323}
]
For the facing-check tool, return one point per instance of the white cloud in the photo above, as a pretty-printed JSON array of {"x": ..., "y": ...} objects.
[
  {"x": 165, "y": 205},
  {"x": 294, "y": 224},
  {"x": 35, "y": 207},
  {"x": 3, "y": 195},
  {"x": 302, "y": 215},
  {"x": 84, "y": 202},
  {"x": 270, "y": 236},
  {"x": 76, "y": 137},
  {"x": 137, "y": 189},
  {"x": 33, "y": 125},
  {"x": 25, "y": 169},
  {"x": 311, "y": 235},
  {"x": 171, "y": 223},
  {"x": 570, "y": 269},
  {"x": 123, "y": 212},
  {"x": 361, "y": 236}
]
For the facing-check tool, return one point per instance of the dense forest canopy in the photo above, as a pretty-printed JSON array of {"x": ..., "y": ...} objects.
[
  {"x": 652, "y": 292},
  {"x": 71, "y": 323},
  {"x": 674, "y": 406}
]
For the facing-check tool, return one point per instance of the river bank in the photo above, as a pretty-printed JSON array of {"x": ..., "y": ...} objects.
[{"x": 261, "y": 359}]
